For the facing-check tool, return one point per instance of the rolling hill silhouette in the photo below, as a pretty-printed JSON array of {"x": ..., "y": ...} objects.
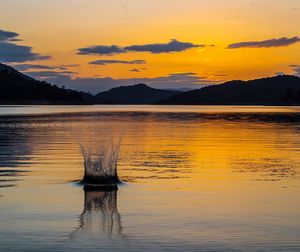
[
  {"x": 17, "y": 88},
  {"x": 136, "y": 94},
  {"x": 278, "y": 90}
]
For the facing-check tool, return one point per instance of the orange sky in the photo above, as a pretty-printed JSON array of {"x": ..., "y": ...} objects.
[{"x": 58, "y": 28}]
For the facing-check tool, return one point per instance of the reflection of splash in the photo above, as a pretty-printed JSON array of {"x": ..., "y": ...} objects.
[
  {"x": 265, "y": 168},
  {"x": 100, "y": 215}
]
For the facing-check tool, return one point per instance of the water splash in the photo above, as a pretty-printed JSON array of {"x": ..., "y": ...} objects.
[{"x": 100, "y": 159}]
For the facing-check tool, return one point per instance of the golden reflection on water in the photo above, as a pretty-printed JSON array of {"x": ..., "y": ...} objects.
[
  {"x": 191, "y": 179},
  {"x": 157, "y": 147}
]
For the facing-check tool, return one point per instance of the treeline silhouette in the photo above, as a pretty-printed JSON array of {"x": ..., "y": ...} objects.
[
  {"x": 278, "y": 90},
  {"x": 136, "y": 94},
  {"x": 17, "y": 88}
]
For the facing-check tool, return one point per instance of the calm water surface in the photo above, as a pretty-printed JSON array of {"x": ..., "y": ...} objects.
[{"x": 197, "y": 178}]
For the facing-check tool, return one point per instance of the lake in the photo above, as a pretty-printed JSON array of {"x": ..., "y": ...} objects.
[{"x": 196, "y": 178}]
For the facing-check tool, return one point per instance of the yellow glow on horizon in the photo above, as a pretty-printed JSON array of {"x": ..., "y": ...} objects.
[{"x": 59, "y": 28}]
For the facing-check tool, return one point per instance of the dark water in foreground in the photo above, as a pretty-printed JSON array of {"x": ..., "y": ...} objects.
[{"x": 197, "y": 179}]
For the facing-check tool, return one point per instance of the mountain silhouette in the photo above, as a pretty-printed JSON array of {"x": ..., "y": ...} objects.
[
  {"x": 278, "y": 90},
  {"x": 17, "y": 88},
  {"x": 136, "y": 94}
]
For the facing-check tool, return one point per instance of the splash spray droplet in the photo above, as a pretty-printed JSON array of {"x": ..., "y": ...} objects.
[{"x": 100, "y": 160}]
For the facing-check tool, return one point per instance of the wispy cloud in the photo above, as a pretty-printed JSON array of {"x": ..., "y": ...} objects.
[
  {"x": 135, "y": 70},
  {"x": 265, "y": 43},
  {"x": 183, "y": 74},
  {"x": 8, "y": 35},
  {"x": 26, "y": 67},
  {"x": 106, "y": 62},
  {"x": 220, "y": 75},
  {"x": 138, "y": 70},
  {"x": 101, "y": 50},
  {"x": 48, "y": 75},
  {"x": 172, "y": 46},
  {"x": 98, "y": 84},
  {"x": 12, "y": 52},
  {"x": 296, "y": 69}
]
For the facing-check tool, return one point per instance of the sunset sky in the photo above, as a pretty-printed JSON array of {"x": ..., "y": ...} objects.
[{"x": 93, "y": 45}]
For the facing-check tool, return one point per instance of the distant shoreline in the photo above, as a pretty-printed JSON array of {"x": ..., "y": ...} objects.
[
  {"x": 37, "y": 103},
  {"x": 281, "y": 90}
]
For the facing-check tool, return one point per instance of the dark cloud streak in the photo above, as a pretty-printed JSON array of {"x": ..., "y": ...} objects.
[
  {"x": 135, "y": 70},
  {"x": 11, "y": 52},
  {"x": 8, "y": 36},
  {"x": 106, "y": 62},
  {"x": 266, "y": 43},
  {"x": 296, "y": 69},
  {"x": 100, "y": 50},
  {"x": 173, "y": 46},
  {"x": 26, "y": 67}
]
